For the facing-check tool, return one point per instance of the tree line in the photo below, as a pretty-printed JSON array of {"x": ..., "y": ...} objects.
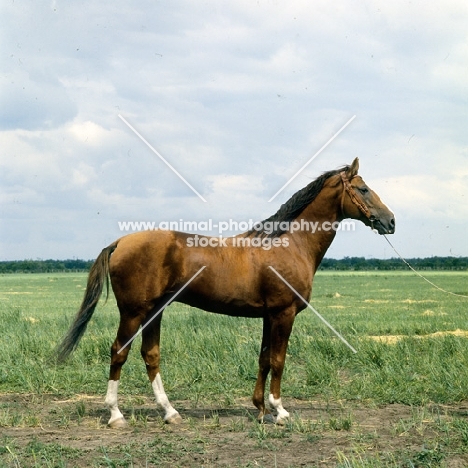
[
  {"x": 328, "y": 264},
  {"x": 45, "y": 266},
  {"x": 367, "y": 264}
]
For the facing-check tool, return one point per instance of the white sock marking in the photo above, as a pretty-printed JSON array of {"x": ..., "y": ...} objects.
[
  {"x": 161, "y": 398},
  {"x": 278, "y": 406},
  {"x": 111, "y": 401}
]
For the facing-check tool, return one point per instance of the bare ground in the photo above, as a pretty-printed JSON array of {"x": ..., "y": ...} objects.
[{"x": 72, "y": 432}]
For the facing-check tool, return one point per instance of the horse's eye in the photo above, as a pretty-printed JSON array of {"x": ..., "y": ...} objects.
[{"x": 363, "y": 190}]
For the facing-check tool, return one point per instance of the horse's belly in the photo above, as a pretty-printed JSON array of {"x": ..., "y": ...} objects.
[{"x": 233, "y": 307}]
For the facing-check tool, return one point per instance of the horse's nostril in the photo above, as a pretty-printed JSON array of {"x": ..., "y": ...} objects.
[{"x": 392, "y": 222}]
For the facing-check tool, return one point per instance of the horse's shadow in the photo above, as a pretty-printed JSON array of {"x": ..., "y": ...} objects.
[{"x": 201, "y": 414}]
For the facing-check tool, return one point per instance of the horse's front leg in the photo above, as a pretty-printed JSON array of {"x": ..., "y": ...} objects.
[
  {"x": 281, "y": 326},
  {"x": 263, "y": 370}
]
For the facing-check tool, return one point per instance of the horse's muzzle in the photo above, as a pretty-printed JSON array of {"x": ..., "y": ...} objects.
[{"x": 383, "y": 226}]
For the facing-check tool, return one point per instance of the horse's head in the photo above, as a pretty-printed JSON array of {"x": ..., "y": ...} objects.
[{"x": 359, "y": 201}]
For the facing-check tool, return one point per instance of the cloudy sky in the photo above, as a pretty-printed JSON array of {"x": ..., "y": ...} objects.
[{"x": 237, "y": 96}]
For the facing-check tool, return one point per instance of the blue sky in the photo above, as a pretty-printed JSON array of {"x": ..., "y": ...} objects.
[{"x": 237, "y": 96}]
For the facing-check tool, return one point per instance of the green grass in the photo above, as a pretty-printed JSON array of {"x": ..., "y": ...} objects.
[
  {"x": 206, "y": 355},
  {"x": 212, "y": 360}
]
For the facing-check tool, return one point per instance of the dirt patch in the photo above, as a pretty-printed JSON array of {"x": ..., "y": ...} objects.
[
  {"x": 431, "y": 313},
  {"x": 319, "y": 434},
  {"x": 392, "y": 339},
  {"x": 413, "y": 301}
]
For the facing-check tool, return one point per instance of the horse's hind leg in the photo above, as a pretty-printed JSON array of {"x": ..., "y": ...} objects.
[
  {"x": 119, "y": 352},
  {"x": 151, "y": 355}
]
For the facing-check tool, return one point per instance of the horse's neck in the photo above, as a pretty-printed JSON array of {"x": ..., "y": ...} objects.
[{"x": 318, "y": 224}]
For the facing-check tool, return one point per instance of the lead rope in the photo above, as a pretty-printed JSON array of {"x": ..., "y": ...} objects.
[{"x": 419, "y": 274}]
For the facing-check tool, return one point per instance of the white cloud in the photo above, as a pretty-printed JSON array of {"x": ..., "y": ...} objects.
[
  {"x": 232, "y": 187},
  {"x": 82, "y": 175},
  {"x": 430, "y": 198},
  {"x": 88, "y": 133}
]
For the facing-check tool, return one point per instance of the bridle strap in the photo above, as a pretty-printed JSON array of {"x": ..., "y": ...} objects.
[{"x": 352, "y": 194}]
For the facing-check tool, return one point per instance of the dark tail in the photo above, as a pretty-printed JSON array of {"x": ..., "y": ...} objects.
[{"x": 98, "y": 275}]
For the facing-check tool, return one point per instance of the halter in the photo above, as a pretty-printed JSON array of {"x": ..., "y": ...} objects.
[{"x": 352, "y": 194}]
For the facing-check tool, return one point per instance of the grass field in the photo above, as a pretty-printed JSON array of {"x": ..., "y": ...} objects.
[{"x": 400, "y": 401}]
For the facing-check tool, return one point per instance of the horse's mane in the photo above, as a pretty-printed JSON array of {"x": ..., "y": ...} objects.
[{"x": 295, "y": 205}]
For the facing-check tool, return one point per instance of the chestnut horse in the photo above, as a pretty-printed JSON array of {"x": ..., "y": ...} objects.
[{"x": 147, "y": 268}]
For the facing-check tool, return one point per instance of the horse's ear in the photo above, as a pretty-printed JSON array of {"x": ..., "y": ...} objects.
[{"x": 353, "y": 169}]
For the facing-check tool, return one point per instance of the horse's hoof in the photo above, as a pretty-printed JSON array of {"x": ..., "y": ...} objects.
[
  {"x": 174, "y": 419},
  {"x": 281, "y": 421},
  {"x": 267, "y": 419},
  {"x": 117, "y": 424}
]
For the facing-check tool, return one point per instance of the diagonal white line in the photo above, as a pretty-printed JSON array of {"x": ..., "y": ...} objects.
[
  {"x": 312, "y": 158},
  {"x": 159, "y": 156},
  {"x": 313, "y": 310},
  {"x": 161, "y": 309}
]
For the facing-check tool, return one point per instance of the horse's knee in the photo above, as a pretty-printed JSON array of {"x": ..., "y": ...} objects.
[
  {"x": 151, "y": 357},
  {"x": 118, "y": 356}
]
